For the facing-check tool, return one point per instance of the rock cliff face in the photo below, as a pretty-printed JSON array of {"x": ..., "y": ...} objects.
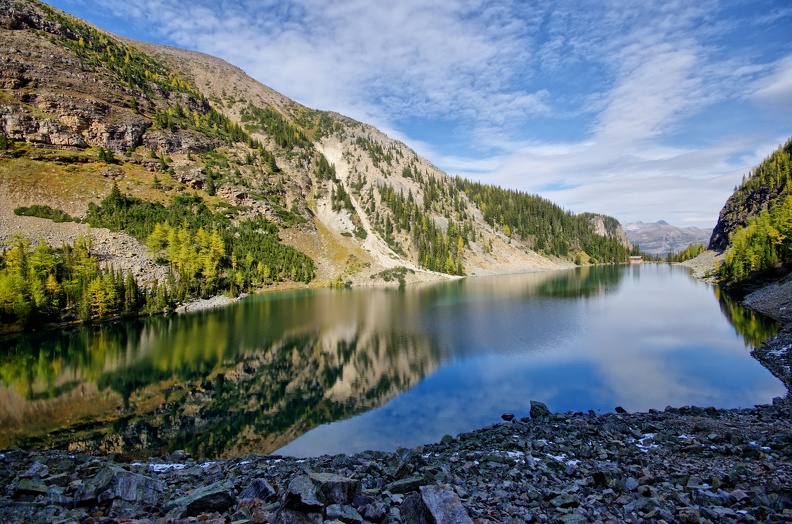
[
  {"x": 50, "y": 98},
  {"x": 762, "y": 189},
  {"x": 739, "y": 208},
  {"x": 609, "y": 228}
]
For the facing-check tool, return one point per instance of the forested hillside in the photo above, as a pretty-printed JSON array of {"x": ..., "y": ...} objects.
[
  {"x": 761, "y": 189},
  {"x": 758, "y": 220},
  {"x": 231, "y": 186},
  {"x": 544, "y": 226}
]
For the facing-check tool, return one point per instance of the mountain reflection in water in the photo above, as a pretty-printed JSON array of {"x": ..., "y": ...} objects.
[{"x": 260, "y": 374}]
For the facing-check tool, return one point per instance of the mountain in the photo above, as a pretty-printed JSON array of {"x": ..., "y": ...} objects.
[
  {"x": 762, "y": 189},
  {"x": 163, "y": 151},
  {"x": 754, "y": 229},
  {"x": 661, "y": 238}
]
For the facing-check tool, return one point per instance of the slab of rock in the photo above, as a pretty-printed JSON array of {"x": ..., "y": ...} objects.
[
  {"x": 302, "y": 494},
  {"x": 259, "y": 489},
  {"x": 335, "y": 489},
  {"x": 114, "y": 482},
  {"x": 539, "y": 410},
  {"x": 406, "y": 485},
  {"x": 444, "y": 505},
  {"x": 214, "y": 497}
]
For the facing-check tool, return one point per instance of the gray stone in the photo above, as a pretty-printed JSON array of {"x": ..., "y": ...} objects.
[
  {"x": 630, "y": 484},
  {"x": 336, "y": 489},
  {"x": 444, "y": 505},
  {"x": 259, "y": 489},
  {"x": 291, "y": 516},
  {"x": 37, "y": 469},
  {"x": 407, "y": 485},
  {"x": 414, "y": 511},
  {"x": 539, "y": 410},
  {"x": 689, "y": 515},
  {"x": 344, "y": 513},
  {"x": 30, "y": 487},
  {"x": 113, "y": 482},
  {"x": 374, "y": 511},
  {"x": 565, "y": 501},
  {"x": 214, "y": 497},
  {"x": 302, "y": 494},
  {"x": 573, "y": 518}
]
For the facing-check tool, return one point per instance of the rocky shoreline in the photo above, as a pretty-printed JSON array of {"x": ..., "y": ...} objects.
[{"x": 679, "y": 465}]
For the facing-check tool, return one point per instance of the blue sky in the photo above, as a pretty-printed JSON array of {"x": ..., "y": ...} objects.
[{"x": 643, "y": 110}]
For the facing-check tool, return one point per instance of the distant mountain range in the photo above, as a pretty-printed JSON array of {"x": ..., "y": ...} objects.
[{"x": 661, "y": 238}]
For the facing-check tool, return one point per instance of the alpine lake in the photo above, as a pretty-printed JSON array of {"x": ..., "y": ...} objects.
[{"x": 313, "y": 372}]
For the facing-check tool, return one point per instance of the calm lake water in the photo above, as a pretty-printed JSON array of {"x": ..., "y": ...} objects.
[{"x": 330, "y": 371}]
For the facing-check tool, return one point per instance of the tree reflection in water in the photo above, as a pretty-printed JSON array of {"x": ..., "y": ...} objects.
[{"x": 253, "y": 376}]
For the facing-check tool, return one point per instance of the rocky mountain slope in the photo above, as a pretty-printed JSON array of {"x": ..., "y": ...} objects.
[
  {"x": 81, "y": 110},
  {"x": 661, "y": 238},
  {"x": 761, "y": 189}
]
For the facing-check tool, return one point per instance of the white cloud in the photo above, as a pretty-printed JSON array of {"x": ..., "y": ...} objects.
[
  {"x": 592, "y": 97},
  {"x": 775, "y": 91}
]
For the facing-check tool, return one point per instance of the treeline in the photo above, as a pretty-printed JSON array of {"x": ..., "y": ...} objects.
[
  {"x": 772, "y": 176},
  {"x": 377, "y": 153},
  {"x": 213, "y": 124},
  {"x": 269, "y": 121},
  {"x": 545, "y": 225},
  {"x": 206, "y": 251},
  {"x": 764, "y": 239},
  {"x": 761, "y": 245},
  {"x": 437, "y": 250},
  {"x": 43, "y": 211},
  {"x": 766, "y": 186},
  {"x": 43, "y": 284},
  {"x": 690, "y": 252}
]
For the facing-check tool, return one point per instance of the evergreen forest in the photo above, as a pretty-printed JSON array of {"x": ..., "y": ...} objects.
[{"x": 764, "y": 242}]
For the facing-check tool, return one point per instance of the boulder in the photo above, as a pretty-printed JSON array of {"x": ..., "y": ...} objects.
[
  {"x": 259, "y": 489},
  {"x": 343, "y": 513},
  {"x": 336, "y": 489},
  {"x": 214, "y": 497},
  {"x": 114, "y": 482},
  {"x": 302, "y": 494},
  {"x": 539, "y": 410},
  {"x": 444, "y": 505}
]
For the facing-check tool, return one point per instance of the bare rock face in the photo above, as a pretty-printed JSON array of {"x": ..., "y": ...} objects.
[
  {"x": 598, "y": 225},
  {"x": 167, "y": 142},
  {"x": 194, "y": 178}
]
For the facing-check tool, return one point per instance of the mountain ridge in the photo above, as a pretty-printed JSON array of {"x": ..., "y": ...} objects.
[
  {"x": 661, "y": 238},
  {"x": 175, "y": 120}
]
